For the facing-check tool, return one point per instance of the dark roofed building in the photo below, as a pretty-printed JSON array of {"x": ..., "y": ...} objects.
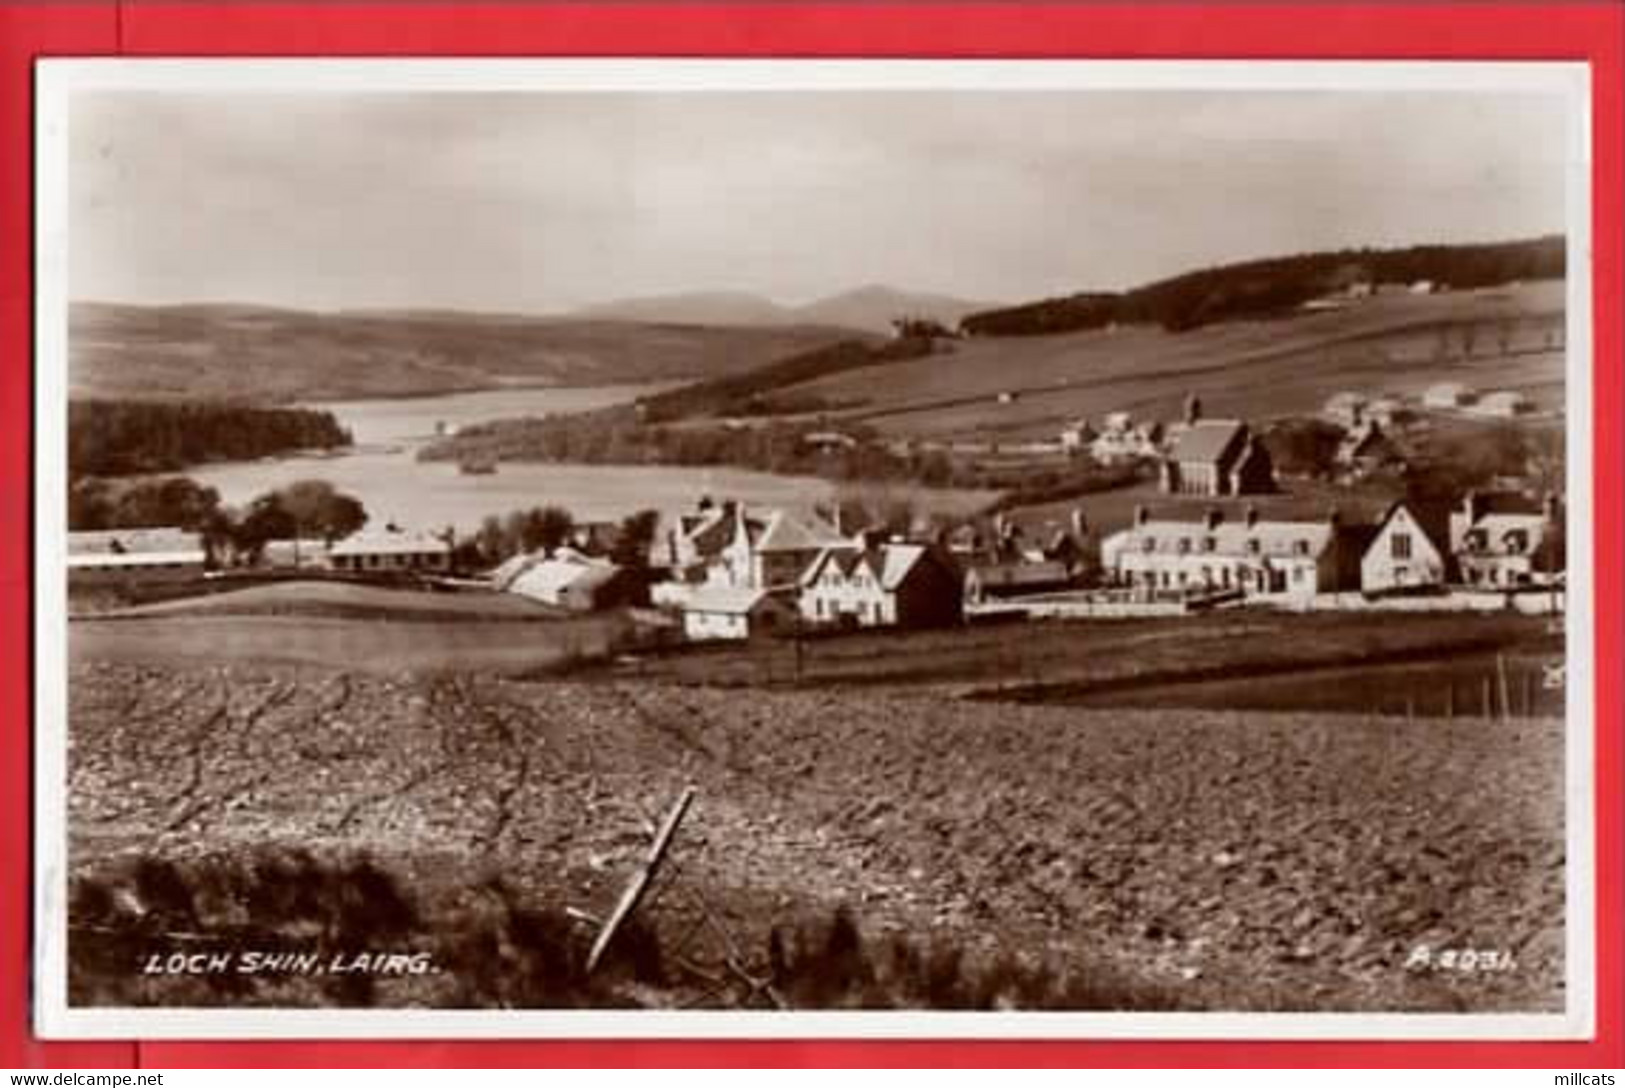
[{"x": 1217, "y": 457}]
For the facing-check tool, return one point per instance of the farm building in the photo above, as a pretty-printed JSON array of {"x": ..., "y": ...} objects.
[
  {"x": 894, "y": 584},
  {"x": 1003, "y": 578},
  {"x": 1367, "y": 449},
  {"x": 296, "y": 555},
  {"x": 130, "y": 556},
  {"x": 1447, "y": 395},
  {"x": 1411, "y": 549},
  {"x": 1387, "y": 411},
  {"x": 1505, "y": 540},
  {"x": 1121, "y": 439},
  {"x": 1502, "y": 404},
  {"x": 574, "y": 582},
  {"x": 1077, "y": 435},
  {"x": 714, "y": 612},
  {"x": 1346, "y": 409},
  {"x": 386, "y": 551},
  {"x": 1283, "y": 560}
]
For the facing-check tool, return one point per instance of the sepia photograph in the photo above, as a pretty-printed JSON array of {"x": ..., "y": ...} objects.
[{"x": 813, "y": 548}]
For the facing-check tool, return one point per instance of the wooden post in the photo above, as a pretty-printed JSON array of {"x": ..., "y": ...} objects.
[
  {"x": 1501, "y": 672},
  {"x": 1528, "y": 695},
  {"x": 640, "y": 882},
  {"x": 1484, "y": 702}
]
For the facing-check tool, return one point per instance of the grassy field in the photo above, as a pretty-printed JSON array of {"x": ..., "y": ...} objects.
[
  {"x": 1046, "y": 856},
  {"x": 342, "y": 600},
  {"x": 376, "y": 645},
  {"x": 1254, "y": 369},
  {"x": 1074, "y": 659}
]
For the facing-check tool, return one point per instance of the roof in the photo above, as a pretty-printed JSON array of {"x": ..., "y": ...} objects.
[
  {"x": 1230, "y": 538},
  {"x": 387, "y": 543},
  {"x": 1207, "y": 440},
  {"x": 133, "y": 541},
  {"x": 781, "y": 531},
  {"x": 1433, "y": 518},
  {"x": 1020, "y": 573},
  {"x": 890, "y": 563},
  {"x": 547, "y": 578},
  {"x": 727, "y": 600}
]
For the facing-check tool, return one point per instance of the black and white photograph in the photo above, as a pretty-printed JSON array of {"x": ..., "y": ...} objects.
[{"x": 813, "y": 548}]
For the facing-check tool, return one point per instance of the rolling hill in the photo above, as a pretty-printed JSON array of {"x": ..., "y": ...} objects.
[
  {"x": 267, "y": 354},
  {"x": 871, "y": 308},
  {"x": 992, "y": 388}
]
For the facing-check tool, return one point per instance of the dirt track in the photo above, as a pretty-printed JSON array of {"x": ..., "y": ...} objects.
[{"x": 1260, "y": 861}]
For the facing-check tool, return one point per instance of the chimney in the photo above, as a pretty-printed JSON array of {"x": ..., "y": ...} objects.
[
  {"x": 1193, "y": 409},
  {"x": 1080, "y": 524},
  {"x": 1252, "y": 515},
  {"x": 1472, "y": 505},
  {"x": 1212, "y": 518},
  {"x": 1141, "y": 515}
]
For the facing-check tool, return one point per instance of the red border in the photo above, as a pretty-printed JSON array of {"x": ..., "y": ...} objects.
[{"x": 1511, "y": 30}]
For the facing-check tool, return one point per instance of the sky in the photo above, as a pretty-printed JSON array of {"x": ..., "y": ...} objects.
[{"x": 542, "y": 202}]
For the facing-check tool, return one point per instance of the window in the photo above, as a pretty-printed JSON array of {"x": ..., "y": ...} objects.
[
  {"x": 1300, "y": 547},
  {"x": 1253, "y": 546},
  {"x": 1297, "y": 575},
  {"x": 1210, "y": 544},
  {"x": 1399, "y": 546},
  {"x": 1149, "y": 544},
  {"x": 1184, "y": 545}
]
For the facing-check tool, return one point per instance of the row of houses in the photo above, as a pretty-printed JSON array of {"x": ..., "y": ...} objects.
[{"x": 1497, "y": 542}]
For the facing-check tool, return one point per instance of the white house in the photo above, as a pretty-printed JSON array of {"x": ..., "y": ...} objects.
[
  {"x": 1504, "y": 540},
  {"x": 713, "y": 612},
  {"x": 1447, "y": 395},
  {"x": 1502, "y": 404},
  {"x": 893, "y": 584},
  {"x": 1411, "y": 549}
]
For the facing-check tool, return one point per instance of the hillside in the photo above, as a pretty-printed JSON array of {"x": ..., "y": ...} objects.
[
  {"x": 262, "y": 353},
  {"x": 1493, "y": 339},
  {"x": 871, "y": 308},
  {"x": 1279, "y": 285}
]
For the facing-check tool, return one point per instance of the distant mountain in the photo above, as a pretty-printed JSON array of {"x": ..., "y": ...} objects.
[
  {"x": 873, "y": 308},
  {"x": 863, "y": 309}
]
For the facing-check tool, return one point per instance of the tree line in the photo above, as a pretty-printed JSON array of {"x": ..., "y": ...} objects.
[
  {"x": 309, "y": 509},
  {"x": 123, "y": 438},
  {"x": 1274, "y": 286}
]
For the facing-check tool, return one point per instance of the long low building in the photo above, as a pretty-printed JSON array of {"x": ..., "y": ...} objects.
[
  {"x": 127, "y": 556},
  {"x": 388, "y": 550},
  {"x": 1274, "y": 559}
]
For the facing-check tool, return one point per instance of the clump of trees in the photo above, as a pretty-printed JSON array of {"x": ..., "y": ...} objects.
[
  {"x": 306, "y": 508},
  {"x": 545, "y": 529},
  {"x": 1304, "y": 447},
  {"x": 1274, "y": 286},
  {"x": 121, "y": 438}
]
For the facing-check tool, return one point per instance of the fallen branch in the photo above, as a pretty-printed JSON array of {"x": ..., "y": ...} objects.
[{"x": 640, "y": 882}]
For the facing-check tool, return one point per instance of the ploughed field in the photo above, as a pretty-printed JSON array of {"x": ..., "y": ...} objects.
[{"x": 1105, "y": 858}]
